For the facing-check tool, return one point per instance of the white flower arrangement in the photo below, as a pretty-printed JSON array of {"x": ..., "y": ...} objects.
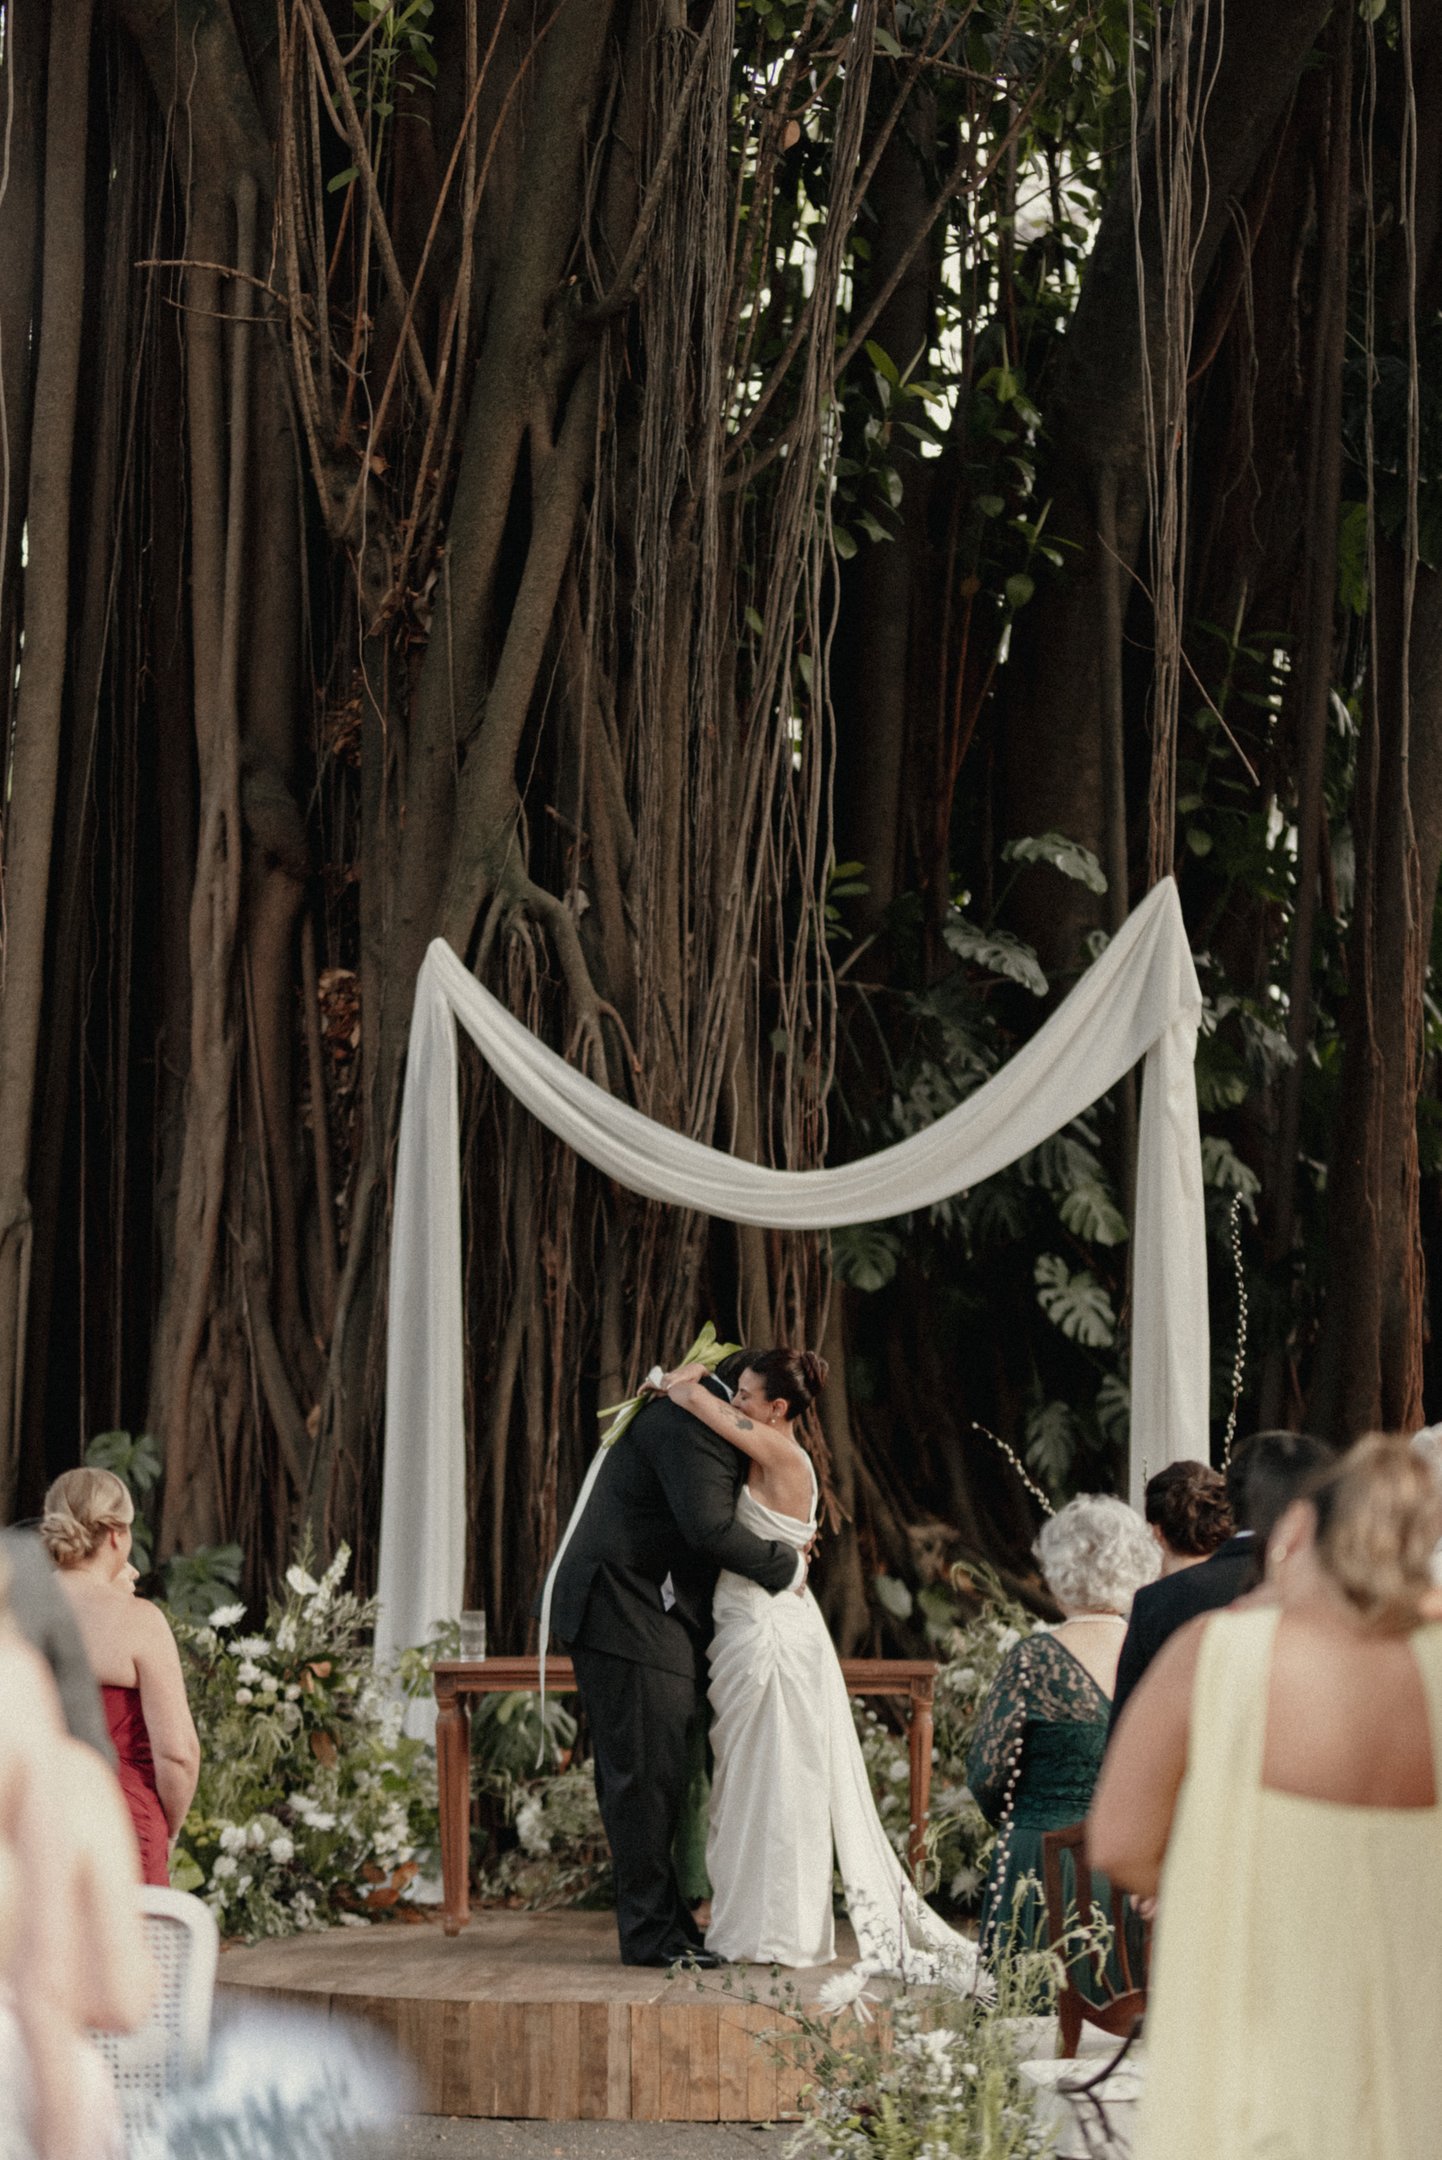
[
  {"x": 312, "y": 1806},
  {"x": 932, "y": 2077}
]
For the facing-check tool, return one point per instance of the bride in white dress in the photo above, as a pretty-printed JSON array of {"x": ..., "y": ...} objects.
[{"x": 786, "y": 1753}]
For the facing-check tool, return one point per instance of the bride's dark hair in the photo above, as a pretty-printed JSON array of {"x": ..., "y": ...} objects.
[{"x": 795, "y": 1377}]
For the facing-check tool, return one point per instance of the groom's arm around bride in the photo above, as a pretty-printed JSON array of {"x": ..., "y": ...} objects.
[{"x": 632, "y": 1602}]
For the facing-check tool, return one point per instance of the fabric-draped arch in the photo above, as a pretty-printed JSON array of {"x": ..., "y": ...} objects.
[{"x": 1139, "y": 1000}]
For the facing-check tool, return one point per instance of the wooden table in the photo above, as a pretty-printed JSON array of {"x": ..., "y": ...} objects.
[{"x": 458, "y": 1679}]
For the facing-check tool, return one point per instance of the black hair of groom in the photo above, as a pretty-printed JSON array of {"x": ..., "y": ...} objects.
[{"x": 1267, "y": 1472}]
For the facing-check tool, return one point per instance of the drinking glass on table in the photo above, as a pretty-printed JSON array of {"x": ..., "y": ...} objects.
[{"x": 473, "y": 1635}]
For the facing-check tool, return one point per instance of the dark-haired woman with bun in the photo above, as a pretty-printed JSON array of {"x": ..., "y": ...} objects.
[
  {"x": 1277, "y": 1779},
  {"x": 789, "y": 1768},
  {"x": 1188, "y": 1513}
]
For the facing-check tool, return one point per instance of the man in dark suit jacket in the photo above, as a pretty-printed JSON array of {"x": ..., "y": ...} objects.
[
  {"x": 1266, "y": 1474},
  {"x": 632, "y": 1601}
]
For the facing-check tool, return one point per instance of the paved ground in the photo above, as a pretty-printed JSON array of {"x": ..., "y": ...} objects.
[{"x": 440, "y": 2137}]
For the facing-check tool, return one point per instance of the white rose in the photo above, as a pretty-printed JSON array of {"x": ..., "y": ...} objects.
[
  {"x": 244, "y": 1695},
  {"x": 292, "y": 1693},
  {"x": 269, "y": 1683},
  {"x": 226, "y": 1865},
  {"x": 227, "y": 1615},
  {"x": 232, "y": 1838},
  {"x": 282, "y": 1849}
]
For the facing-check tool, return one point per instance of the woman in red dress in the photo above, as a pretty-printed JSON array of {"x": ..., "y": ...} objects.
[{"x": 86, "y": 1531}]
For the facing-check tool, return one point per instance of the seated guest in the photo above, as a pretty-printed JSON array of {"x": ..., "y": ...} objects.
[
  {"x": 1279, "y": 1775},
  {"x": 1265, "y": 1475},
  {"x": 86, "y": 1531},
  {"x": 1042, "y": 1728},
  {"x": 1188, "y": 1513}
]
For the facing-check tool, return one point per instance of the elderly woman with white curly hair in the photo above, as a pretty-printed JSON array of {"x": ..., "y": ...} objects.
[{"x": 1042, "y": 1729}]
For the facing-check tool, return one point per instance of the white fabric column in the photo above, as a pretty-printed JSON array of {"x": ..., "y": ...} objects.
[{"x": 1139, "y": 1000}]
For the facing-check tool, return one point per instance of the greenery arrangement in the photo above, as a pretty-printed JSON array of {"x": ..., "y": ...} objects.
[
  {"x": 922, "y": 2073},
  {"x": 970, "y": 1648},
  {"x": 313, "y": 1806}
]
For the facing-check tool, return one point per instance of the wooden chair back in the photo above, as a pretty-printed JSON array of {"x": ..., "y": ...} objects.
[{"x": 1122, "y": 2011}]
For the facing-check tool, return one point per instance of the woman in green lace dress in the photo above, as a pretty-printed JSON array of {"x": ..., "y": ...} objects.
[{"x": 1042, "y": 1729}]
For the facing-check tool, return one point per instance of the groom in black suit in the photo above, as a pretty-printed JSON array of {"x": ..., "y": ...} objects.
[
  {"x": 632, "y": 1603},
  {"x": 1267, "y": 1473}
]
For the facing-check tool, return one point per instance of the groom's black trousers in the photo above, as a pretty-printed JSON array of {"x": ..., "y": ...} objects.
[{"x": 639, "y": 1716}]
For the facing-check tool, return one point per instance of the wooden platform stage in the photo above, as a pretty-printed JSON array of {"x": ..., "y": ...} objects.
[{"x": 532, "y": 2014}]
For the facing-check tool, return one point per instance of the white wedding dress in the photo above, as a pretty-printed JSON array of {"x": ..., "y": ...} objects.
[{"x": 790, "y": 1790}]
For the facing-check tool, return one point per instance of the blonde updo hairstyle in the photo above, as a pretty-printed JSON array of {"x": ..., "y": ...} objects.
[
  {"x": 80, "y": 1508},
  {"x": 1379, "y": 1517}
]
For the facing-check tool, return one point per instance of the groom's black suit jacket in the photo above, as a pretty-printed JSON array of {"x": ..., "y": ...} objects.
[
  {"x": 664, "y": 1505},
  {"x": 1160, "y": 1608}
]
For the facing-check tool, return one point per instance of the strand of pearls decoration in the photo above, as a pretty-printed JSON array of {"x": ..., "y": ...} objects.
[
  {"x": 1239, "y": 1362},
  {"x": 1004, "y": 1826},
  {"x": 1017, "y": 1465}
]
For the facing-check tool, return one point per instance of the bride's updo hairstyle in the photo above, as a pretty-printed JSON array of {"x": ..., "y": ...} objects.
[
  {"x": 1379, "y": 1516},
  {"x": 80, "y": 1508},
  {"x": 795, "y": 1377}
]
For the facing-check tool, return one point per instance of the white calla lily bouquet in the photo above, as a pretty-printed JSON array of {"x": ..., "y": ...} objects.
[{"x": 706, "y": 1350}]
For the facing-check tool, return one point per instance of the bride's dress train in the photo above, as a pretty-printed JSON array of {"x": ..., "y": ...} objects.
[{"x": 790, "y": 1789}]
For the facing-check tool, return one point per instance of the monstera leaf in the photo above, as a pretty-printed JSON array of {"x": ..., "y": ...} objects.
[
  {"x": 997, "y": 951},
  {"x": 1068, "y": 856},
  {"x": 1077, "y": 1304}
]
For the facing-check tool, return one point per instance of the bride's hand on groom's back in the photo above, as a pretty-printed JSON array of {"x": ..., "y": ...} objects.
[{"x": 678, "y": 1378}]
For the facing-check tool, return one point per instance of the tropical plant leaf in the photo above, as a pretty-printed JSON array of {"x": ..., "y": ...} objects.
[
  {"x": 1090, "y": 1212},
  {"x": 134, "y": 1458},
  {"x": 1114, "y": 1409},
  {"x": 865, "y": 1255},
  {"x": 1051, "y": 1438},
  {"x": 997, "y": 951},
  {"x": 1078, "y": 1304},
  {"x": 1069, "y": 856},
  {"x": 1223, "y": 1168}
]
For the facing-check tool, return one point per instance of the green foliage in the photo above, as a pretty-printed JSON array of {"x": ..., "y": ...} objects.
[
  {"x": 865, "y": 1255},
  {"x": 1075, "y": 1302},
  {"x": 998, "y": 951},
  {"x": 559, "y": 1856},
  {"x": 1051, "y": 1442},
  {"x": 938, "y": 2079},
  {"x": 135, "y": 1460},
  {"x": 191, "y": 1583},
  {"x": 195, "y": 1583},
  {"x": 312, "y": 1807},
  {"x": 1067, "y": 856}
]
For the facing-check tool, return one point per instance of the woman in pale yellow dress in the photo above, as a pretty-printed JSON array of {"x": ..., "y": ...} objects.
[{"x": 1277, "y": 1781}]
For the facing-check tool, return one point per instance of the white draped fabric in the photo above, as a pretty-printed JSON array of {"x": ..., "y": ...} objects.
[{"x": 1139, "y": 1000}]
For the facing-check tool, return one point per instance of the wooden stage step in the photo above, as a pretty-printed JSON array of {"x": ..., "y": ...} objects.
[{"x": 532, "y": 2014}]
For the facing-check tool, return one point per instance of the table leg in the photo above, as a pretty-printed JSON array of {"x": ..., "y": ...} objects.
[
  {"x": 453, "y": 1782},
  {"x": 920, "y": 1737}
]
